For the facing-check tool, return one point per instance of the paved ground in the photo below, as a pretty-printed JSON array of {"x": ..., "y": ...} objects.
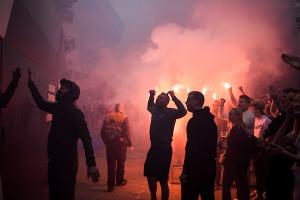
[{"x": 136, "y": 189}]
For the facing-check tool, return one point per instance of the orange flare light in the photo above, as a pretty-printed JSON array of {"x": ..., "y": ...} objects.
[
  {"x": 214, "y": 96},
  {"x": 227, "y": 85},
  {"x": 204, "y": 90}
]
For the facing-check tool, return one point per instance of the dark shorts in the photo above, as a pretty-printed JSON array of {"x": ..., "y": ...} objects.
[{"x": 158, "y": 163}]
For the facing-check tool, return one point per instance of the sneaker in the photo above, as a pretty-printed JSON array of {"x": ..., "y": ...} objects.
[{"x": 124, "y": 182}]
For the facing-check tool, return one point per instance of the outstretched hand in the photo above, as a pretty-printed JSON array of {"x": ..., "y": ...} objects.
[
  {"x": 171, "y": 93},
  {"x": 291, "y": 60}
]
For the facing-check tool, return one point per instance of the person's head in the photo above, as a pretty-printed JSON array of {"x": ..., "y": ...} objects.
[
  {"x": 296, "y": 106},
  {"x": 215, "y": 106},
  {"x": 68, "y": 91},
  {"x": 162, "y": 100},
  {"x": 287, "y": 96},
  {"x": 194, "y": 101},
  {"x": 235, "y": 115},
  {"x": 258, "y": 108},
  {"x": 244, "y": 103},
  {"x": 119, "y": 108}
]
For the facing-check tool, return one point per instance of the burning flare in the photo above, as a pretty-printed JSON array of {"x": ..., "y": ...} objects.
[{"x": 227, "y": 85}]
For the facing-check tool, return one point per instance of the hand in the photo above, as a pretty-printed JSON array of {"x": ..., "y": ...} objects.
[
  {"x": 183, "y": 178},
  {"x": 93, "y": 173},
  {"x": 152, "y": 92},
  {"x": 230, "y": 90},
  {"x": 241, "y": 89},
  {"x": 16, "y": 74},
  {"x": 293, "y": 61},
  {"x": 222, "y": 101},
  {"x": 29, "y": 75},
  {"x": 221, "y": 159},
  {"x": 171, "y": 93},
  {"x": 131, "y": 148}
]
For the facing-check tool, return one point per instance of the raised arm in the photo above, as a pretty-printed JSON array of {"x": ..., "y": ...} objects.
[
  {"x": 180, "y": 111},
  {"x": 7, "y": 95},
  {"x": 275, "y": 100},
  {"x": 232, "y": 98},
  {"x": 37, "y": 97},
  {"x": 151, "y": 100}
]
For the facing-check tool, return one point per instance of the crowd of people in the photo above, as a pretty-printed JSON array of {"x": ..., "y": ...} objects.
[{"x": 258, "y": 133}]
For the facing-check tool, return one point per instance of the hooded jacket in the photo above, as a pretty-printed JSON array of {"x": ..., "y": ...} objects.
[{"x": 68, "y": 125}]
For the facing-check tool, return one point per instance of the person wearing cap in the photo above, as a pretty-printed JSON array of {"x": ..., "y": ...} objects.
[
  {"x": 115, "y": 133},
  {"x": 68, "y": 125}
]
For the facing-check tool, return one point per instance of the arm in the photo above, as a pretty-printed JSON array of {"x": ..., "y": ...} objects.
[
  {"x": 37, "y": 97},
  {"x": 286, "y": 153},
  {"x": 151, "y": 100},
  {"x": 275, "y": 100},
  {"x": 222, "y": 114},
  {"x": 242, "y": 90},
  {"x": 280, "y": 134},
  {"x": 232, "y": 98},
  {"x": 84, "y": 135},
  {"x": 180, "y": 111},
  {"x": 293, "y": 61},
  {"x": 273, "y": 109},
  {"x": 126, "y": 129},
  {"x": 7, "y": 95}
]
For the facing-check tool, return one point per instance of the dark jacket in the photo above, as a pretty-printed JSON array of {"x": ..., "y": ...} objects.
[
  {"x": 163, "y": 122},
  {"x": 201, "y": 147},
  {"x": 239, "y": 149},
  {"x": 67, "y": 126}
]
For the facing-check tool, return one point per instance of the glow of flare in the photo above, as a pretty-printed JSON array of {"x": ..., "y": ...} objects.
[
  {"x": 156, "y": 88},
  {"x": 214, "y": 96},
  {"x": 177, "y": 87},
  {"x": 188, "y": 89},
  {"x": 227, "y": 85},
  {"x": 204, "y": 90}
]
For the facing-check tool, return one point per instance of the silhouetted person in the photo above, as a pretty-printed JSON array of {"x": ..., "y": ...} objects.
[
  {"x": 244, "y": 104},
  {"x": 237, "y": 158},
  {"x": 199, "y": 168},
  {"x": 67, "y": 126},
  {"x": 115, "y": 134},
  {"x": 6, "y": 96},
  {"x": 157, "y": 164},
  {"x": 4, "y": 100}
]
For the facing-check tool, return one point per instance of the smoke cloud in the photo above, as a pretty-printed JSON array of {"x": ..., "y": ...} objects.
[{"x": 124, "y": 48}]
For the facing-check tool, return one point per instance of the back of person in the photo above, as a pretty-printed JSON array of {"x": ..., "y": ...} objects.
[
  {"x": 201, "y": 145},
  {"x": 162, "y": 127},
  {"x": 239, "y": 149},
  {"x": 113, "y": 126}
]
